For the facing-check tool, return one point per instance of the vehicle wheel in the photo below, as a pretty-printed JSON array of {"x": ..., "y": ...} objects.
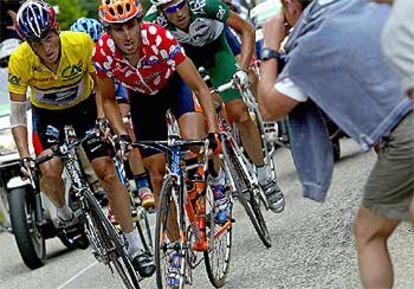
[
  {"x": 336, "y": 147},
  {"x": 30, "y": 242}
]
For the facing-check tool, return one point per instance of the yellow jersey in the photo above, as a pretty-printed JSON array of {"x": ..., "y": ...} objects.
[{"x": 71, "y": 84}]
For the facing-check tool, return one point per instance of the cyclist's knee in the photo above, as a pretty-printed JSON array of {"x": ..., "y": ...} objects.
[
  {"x": 242, "y": 119},
  {"x": 52, "y": 171},
  {"x": 105, "y": 171}
]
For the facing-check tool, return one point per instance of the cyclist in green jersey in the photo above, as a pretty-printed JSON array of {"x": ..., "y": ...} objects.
[{"x": 198, "y": 25}]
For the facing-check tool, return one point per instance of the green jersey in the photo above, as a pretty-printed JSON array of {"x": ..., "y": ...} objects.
[{"x": 206, "y": 22}]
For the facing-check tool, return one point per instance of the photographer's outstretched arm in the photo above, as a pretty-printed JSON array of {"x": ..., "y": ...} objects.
[
  {"x": 110, "y": 107},
  {"x": 18, "y": 122}
]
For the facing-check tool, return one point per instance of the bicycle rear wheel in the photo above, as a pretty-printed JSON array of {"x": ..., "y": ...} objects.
[
  {"x": 246, "y": 194},
  {"x": 217, "y": 257},
  {"x": 165, "y": 245},
  {"x": 144, "y": 230},
  {"x": 107, "y": 242}
]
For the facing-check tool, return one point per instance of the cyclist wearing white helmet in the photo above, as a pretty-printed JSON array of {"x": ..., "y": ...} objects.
[
  {"x": 199, "y": 26},
  {"x": 57, "y": 66},
  {"x": 94, "y": 29}
]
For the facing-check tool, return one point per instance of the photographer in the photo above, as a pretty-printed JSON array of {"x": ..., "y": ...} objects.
[{"x": 335, "y": 65}]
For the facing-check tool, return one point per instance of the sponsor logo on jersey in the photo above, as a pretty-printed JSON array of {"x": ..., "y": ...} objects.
[
  {"x": 13, "y": 79},
  {"x": 220, "y": 13},
  {"x": 72, "y": 71}
]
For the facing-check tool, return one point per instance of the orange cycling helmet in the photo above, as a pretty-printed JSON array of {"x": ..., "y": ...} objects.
[{"x": 119, "y": 11}]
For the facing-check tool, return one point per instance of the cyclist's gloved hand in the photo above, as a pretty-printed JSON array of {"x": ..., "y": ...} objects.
[
  {"x": 242, "y": 78},
  {"x": 27, "y": 167},
  {"x": 214, "y": 142},
  {"x": 123, "y": 146},
  {"x": 102, "y": 127}
]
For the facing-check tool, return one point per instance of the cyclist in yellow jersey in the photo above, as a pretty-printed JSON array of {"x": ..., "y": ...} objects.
[{"x": 57, "y": 67}]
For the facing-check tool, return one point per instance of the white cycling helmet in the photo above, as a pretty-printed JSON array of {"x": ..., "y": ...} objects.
[
  {"x": 160, "y": 2},
  {"x": 8, "y": 46}
]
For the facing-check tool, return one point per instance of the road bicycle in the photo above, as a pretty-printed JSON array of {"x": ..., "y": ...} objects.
[
  {"x": 187, "y": 204},
  {"x": 240, "y": 171},
  {"x": 109, "y": 245}
]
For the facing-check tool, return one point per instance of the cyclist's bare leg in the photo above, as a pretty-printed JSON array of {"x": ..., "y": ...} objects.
[
  {"x": 117, "y": 193},
  {"x": 51, "y": 181},
  {"x": 250, "y": 136},
  {"x": 371, "y": 233},
  {"x": 156, "y": 168}
]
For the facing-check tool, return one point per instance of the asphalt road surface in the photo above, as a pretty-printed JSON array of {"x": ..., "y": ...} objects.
[{"x": 313, "y": 245}]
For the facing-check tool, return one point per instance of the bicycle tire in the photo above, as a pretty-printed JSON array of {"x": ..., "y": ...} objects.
[
  {"x": 216, "y": 276},
  {"x": 144, "y": 231},
  {"x": 250, "y": 204},
  {"x": 111, "y": 237},
  {"x": 161, "y": 247}
]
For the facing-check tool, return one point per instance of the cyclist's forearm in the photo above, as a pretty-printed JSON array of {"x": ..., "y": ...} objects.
[
  {"x": 246, "y": 31},
  {"x": 247, "y": 47},
  {"x": 113, "y": 113},
  {"x": 20, "y": 138},
  {"x": 206, "y": 102},
  {"x": 98, "y": 98}
]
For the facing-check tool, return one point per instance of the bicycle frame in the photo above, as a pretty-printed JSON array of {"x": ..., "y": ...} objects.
[{"x": 225, "y": 131}]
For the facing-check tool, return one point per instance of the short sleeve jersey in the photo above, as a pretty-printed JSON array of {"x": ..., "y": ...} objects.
[
  {"x": 206, "y": 23},
  {"x": 71, "y": 84},
  {"x": 160, "y": 55}
]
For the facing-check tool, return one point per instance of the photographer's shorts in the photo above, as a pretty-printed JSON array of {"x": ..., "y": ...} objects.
[{"x": 390, "y": 186}]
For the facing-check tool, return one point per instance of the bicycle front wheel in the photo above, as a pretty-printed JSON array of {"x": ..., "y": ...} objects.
[
  {"x": 107, "y": 242},
  {"x": 170, "y": 237},
  {"x": 246, "y": 196},
  {"x": 219, "y": 236}
]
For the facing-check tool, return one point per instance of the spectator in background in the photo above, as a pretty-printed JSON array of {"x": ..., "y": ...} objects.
[
  {"x": 335, "y": 65},
  {"x": 8, "y": 10}
]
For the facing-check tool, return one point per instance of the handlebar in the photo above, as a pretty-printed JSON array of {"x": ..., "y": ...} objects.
[
  {"x": 64, "y": 149},
  {"x": 166, "y": 145}
]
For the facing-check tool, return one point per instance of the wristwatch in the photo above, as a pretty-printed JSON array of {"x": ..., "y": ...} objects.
[{"x": 268, "y": 53}]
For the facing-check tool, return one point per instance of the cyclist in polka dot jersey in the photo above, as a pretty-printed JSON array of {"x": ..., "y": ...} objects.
[
  {"x": 148, "y": 60},
  {"x": 160, "y": 55}
]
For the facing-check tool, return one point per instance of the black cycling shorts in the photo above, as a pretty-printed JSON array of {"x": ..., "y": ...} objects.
[
  {"x": 82, "y": 117},
  {"x": 148, "y": 111}
]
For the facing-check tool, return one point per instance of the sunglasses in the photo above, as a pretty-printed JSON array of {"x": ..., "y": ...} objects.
[{"x": 173, "y": 8}]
